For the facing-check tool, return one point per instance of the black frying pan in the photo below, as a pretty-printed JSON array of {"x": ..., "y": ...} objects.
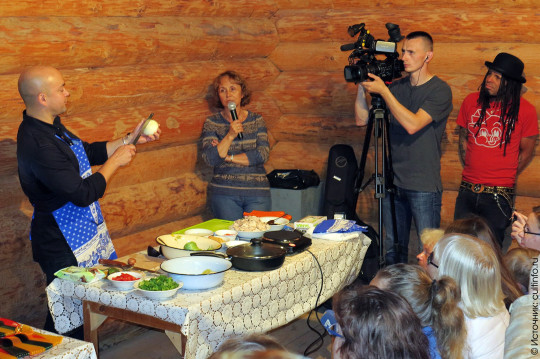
[{"x": 254, "y": 257}]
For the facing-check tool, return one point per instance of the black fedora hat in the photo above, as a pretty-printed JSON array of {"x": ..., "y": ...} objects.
[{"x": 508, "y": 65}]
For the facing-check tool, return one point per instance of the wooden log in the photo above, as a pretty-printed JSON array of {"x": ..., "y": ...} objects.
[
  {"x": 309, "y": 56},
  {"x": 22, "y": 287},
  {"x": 8, "y": 154},
  {"x": 436, "y": 4},
  {"x": 173, "y": 161},
  {"x": 140, "y": 8},
  {"x": 317, "y": 94},
  {"x": 180, "y": 123},
  {"x": 308, "y": 156},
  {"x": 298, "y": 25},
  {"x": 326, "y": 56},
  {"x": 139, "y": 241},
  {"x": 312, "y": 156},
  {"x": 308, "y": 4},
  {"x": 11, "y": 192},
  {"x": 94, "y": 90},
  {"x": 120, "y": 41},
  {"x": 15, "y": 227},
  {"x": 313, "y": 128},
  {"x": 133, "y": 208}
]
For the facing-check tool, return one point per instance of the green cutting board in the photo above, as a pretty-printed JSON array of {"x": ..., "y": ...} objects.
[{"x": 213, "y": 225}]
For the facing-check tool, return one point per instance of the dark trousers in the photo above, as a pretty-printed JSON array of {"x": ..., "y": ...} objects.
[
  {"x": 494, "y": 208},
  {"x": 49, "y": 267}
]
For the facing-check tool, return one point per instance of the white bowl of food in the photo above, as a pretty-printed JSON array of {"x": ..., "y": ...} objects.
[
  {"x": 158, "y": 288},
  {"x": 182, "y": 245},
  {"x": 226, "y": 234},
  {"x": 203, "y": 232},
  {"x": 250, "y": 235},
  {"x": 280, "y": 222},
  {"x": 197, "y": 272},
  {"x": 250, "y": 227},
  {"x": 124, "y": 280}
]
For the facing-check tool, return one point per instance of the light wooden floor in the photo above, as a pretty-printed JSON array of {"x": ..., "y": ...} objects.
[{"x": 151, "y": 344}]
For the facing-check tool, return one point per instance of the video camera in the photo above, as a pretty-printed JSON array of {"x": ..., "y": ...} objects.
[{"x": 362, "y": 59}]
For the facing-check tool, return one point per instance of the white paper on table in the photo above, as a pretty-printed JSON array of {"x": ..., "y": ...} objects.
[{"x": 332, "y": 236}]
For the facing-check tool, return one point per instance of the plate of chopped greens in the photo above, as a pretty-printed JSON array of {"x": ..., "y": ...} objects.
[{"x": 158, "y": 288}]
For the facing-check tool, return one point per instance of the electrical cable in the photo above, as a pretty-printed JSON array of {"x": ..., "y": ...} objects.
[{"x": 320, "y": 339}]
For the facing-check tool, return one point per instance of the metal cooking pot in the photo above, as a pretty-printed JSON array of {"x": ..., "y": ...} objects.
[{"x": 255, "y": 256}]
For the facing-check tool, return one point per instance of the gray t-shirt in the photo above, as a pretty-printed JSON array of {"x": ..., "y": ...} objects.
[{"x": 416, "y": 159}]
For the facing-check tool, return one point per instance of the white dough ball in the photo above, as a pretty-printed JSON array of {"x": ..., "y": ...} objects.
[{"x": 151, "y": 128}]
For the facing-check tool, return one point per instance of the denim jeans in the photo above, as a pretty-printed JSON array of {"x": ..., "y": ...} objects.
[
  {"x": 233, "y": 207},
  {"x": 495, "y": 209},
  {"x": 423, "y": 207}
]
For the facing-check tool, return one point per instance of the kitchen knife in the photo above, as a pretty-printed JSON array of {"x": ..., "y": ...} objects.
[{"x": 141, "y": 129}]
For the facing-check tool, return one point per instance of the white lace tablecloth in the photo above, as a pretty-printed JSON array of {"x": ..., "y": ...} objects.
[
  {"x": 69, "y": 348},
  {"x": 247, "y": 302}
]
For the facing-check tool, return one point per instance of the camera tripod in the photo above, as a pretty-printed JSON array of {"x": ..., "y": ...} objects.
[{"x": 378, "y": 125}]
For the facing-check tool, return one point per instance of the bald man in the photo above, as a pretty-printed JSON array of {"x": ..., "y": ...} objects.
[{"x": 55, "y": 174}]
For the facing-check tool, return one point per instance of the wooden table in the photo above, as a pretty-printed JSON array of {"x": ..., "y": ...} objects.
[{"x": 198, "y": 321}]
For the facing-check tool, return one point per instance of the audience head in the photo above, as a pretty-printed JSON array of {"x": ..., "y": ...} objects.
[
  {"x": 264, "y": 354},
  {"x": 520, "y": 262},
  {"x": 429, "y": 237},
  {"x": 473, "y": 264},
  {"x": 251, "y": 346},
  {"x": 376, "y": 323},
  {"x": 435, "y": 302},
  {"x": 533, "y": 223},
  {"x": 477, "y": 227},
  {"x": 231, "y": 78}
]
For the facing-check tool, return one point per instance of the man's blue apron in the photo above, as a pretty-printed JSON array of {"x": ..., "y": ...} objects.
[{"x": 84, "y": 227}]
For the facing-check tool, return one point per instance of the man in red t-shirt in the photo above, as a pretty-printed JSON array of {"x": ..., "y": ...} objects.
[{"x": 497, "y": 135}]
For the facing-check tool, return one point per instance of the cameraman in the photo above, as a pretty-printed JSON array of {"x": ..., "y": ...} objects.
[{"x": 419, "y": 105}]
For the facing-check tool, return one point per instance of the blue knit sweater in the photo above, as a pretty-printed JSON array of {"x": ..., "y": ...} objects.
[{"x": 233, "y": 179}]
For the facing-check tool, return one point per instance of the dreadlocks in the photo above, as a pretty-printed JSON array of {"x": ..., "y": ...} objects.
[{"x": 508, "y": 98}]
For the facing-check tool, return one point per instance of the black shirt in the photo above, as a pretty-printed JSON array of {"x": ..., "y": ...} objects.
[{"x": 49, "y": 176}]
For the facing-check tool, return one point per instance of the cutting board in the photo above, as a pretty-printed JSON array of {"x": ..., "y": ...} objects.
[
  {"x": 143, "y": 261},
  {"x": 212, "y": 224}
]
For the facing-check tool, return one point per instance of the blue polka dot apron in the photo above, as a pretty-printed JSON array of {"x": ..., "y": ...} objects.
[{"x": 84, "y": 227}]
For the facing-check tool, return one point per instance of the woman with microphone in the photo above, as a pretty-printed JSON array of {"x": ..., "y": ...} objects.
[{"x": 235, "y": 143}]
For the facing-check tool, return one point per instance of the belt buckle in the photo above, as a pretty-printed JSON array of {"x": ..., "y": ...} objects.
[{"x": 477, "y": 188}]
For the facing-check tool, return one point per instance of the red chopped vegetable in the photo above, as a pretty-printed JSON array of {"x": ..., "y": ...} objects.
[{"x": 124, "y": 277}]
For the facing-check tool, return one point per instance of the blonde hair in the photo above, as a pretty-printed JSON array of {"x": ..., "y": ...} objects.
[
  {"x": 477, "y": 227},
  {"x": 435, "y": 302},
  {"x": 474, "y": 266},
  {"x": 430, "y": 236},
  {"x": 245, "y": 344}
]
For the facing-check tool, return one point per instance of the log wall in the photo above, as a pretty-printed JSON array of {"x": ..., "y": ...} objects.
[{"x": 123, "y": 59}]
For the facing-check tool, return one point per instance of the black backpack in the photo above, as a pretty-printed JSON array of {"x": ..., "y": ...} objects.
[
  {"x": 341, "y": 196},
  {"x": 293, "y": 179}
]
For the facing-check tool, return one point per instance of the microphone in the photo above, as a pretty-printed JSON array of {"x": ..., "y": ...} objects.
[{"x": 234, "y": 115}]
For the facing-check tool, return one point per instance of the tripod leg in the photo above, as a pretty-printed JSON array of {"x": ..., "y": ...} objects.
[
  {"x": 389, "y": 193},
  {"x": 362, "y": 165}
]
